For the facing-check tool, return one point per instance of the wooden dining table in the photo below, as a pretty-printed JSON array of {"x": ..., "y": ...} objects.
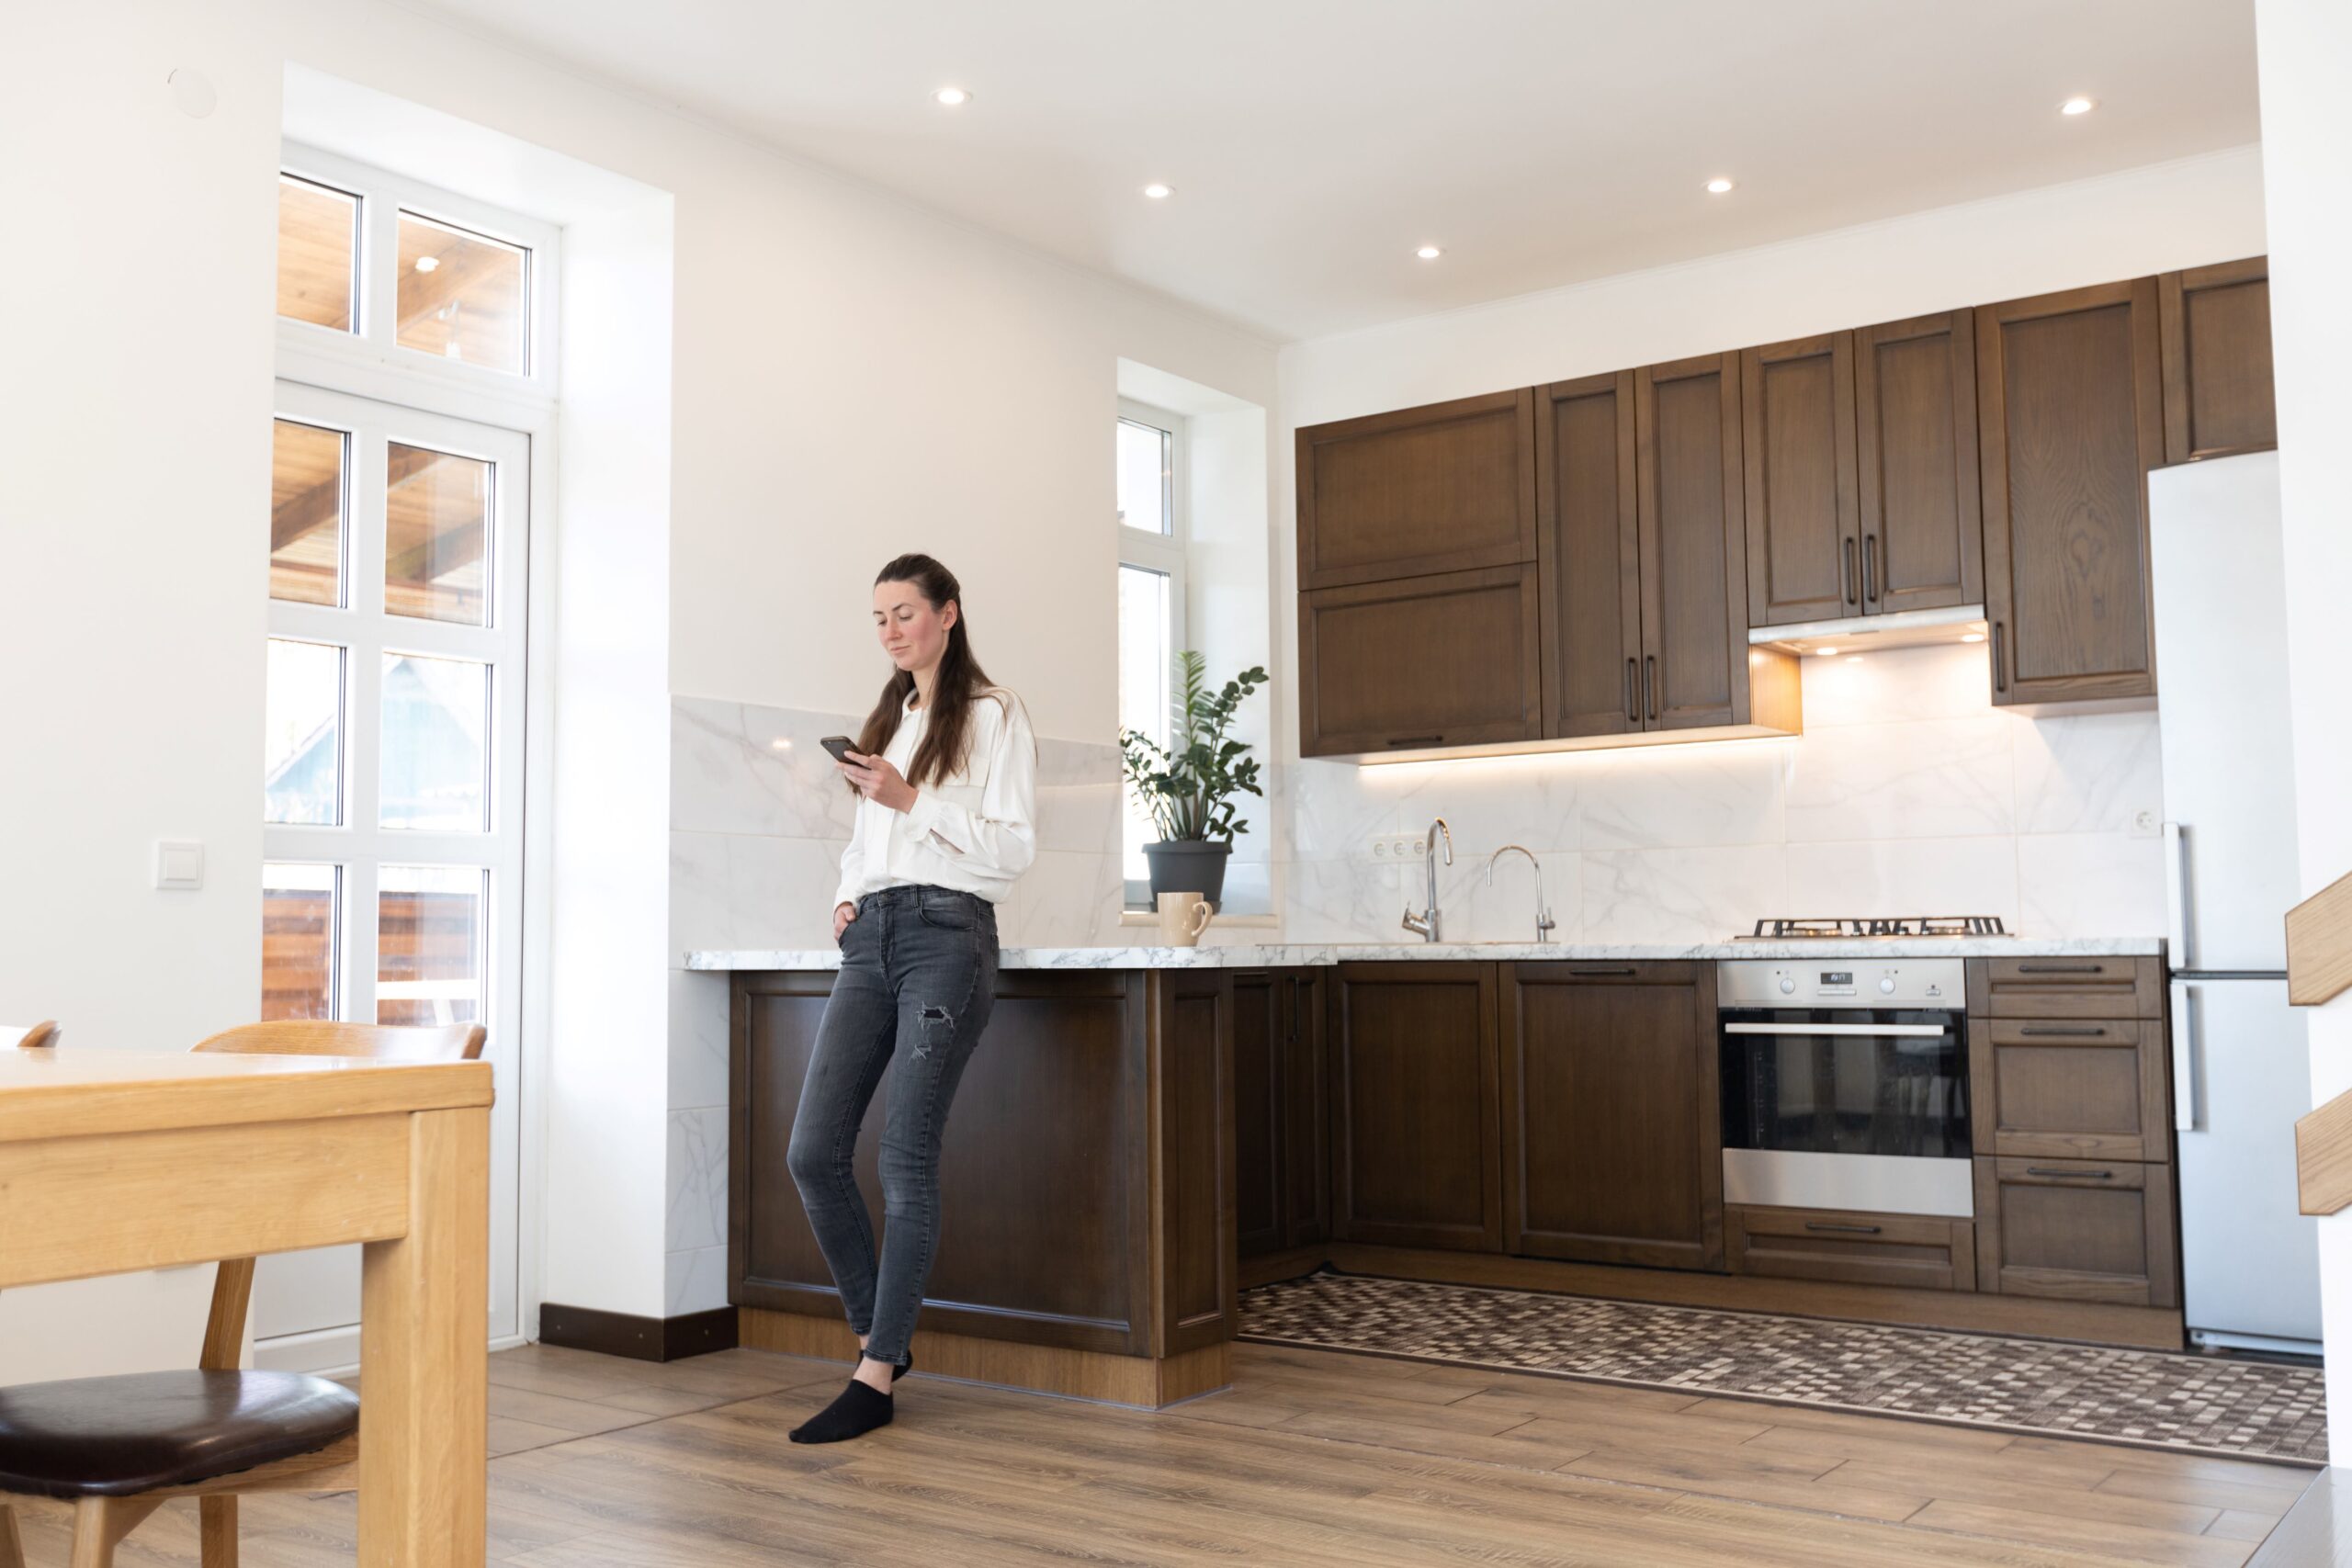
[{"x": 112, "y": 1161}]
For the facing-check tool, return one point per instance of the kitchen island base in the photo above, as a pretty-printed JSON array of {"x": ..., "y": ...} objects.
[{"x": 1143, "y": 1382}]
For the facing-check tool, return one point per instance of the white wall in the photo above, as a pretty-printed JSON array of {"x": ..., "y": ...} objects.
[
  {"x": 2305, "y": 48},
  {"x": 134, "y": 473}
]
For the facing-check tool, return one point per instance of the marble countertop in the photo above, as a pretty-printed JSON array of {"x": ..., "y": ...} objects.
[{"x": 1272, "y": 955}]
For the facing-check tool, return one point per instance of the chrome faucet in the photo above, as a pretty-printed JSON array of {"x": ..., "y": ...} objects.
[
  {"x": 1543, "y": 922},
  {"x": 1425, "y": 924}
]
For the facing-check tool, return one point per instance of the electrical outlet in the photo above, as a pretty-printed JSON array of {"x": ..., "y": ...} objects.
[
  {"x": 2146, "y": 824},
  {"x": 1395, "y": 847}
]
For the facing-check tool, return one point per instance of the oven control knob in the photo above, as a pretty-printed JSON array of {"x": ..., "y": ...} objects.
[
  {"x": 1887, "y": 986},
  {"x": 1787, "y": 984}
]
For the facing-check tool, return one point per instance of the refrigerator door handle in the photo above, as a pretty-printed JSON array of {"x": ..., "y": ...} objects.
[
  {"x": 2184, "y": 1057},
  {"x": 2177, "y": 892}
]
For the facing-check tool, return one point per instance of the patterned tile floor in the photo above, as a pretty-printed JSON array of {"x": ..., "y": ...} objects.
[{"x": 2205, "y": 1405}]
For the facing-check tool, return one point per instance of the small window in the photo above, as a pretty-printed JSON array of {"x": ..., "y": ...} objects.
[
  {"x": 298, "y": 922},
  {"x": 317, "y": 229},
  {"x": 436, "y": 714},
  {"x": 437, "y": 535},
  {"x": 1146, "y": 478},
  {"x": 429, "y": 925},
  {"x": 307, "y": 501},
  {"x": 302, "y": 739},
  {"x": 463, "y": 295}
]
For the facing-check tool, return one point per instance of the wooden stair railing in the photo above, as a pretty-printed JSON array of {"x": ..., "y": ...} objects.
[
  {"x": 2319, "y": 969},
  {"x": 2319, "y": 945}
]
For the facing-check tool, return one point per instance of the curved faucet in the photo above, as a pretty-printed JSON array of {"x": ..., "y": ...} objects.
[
  {"x": 1543, "y": 922},
  {"x": 1425, "y": 924}
]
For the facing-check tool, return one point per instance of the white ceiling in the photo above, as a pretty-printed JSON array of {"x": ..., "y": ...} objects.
[{"x": 1314, "y": 143}]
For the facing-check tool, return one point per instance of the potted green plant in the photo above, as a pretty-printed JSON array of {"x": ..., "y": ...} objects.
[{"x": 1188, "y": 786}]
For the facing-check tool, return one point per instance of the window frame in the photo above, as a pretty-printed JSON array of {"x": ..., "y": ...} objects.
[
  {"x": 1163, "y": 553},
  {"x": 373, "y": 344}
]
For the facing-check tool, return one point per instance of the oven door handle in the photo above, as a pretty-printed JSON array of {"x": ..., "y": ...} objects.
[{"x": 1797, "y": 1031}]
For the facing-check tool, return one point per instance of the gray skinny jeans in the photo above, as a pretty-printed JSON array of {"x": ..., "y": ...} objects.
[{"x": 916, "y": 979}]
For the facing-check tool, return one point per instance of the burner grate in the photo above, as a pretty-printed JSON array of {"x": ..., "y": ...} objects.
[{"x": 1849, "y": 927}]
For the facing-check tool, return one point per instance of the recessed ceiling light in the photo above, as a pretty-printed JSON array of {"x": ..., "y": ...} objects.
[
  {"x": 951, "y": 97},
  {"x": 1158, "y": 192},
  {"x": 1826, "y": 652},
  {"x": 1718, "y": 186},
  {"x": 426, "y": 264},
  {"x": 2076, "y": 105},
  {"x": 1429, "y": 253},
  {"x": 1972, "y": 637}
]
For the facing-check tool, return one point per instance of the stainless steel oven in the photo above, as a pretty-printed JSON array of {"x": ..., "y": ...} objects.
[{"x": 1845, "y": 1084}]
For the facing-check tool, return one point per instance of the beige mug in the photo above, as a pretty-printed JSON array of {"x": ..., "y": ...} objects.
[{"x": 1183, "y": 918}]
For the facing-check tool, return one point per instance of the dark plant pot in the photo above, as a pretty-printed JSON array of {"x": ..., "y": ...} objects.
[{"x": 1189, "y": 865}]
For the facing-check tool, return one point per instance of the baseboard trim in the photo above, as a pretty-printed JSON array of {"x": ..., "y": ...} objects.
[
  {"x": 1141, "y": 1382},
  {"x": 639, "y": 1339}
]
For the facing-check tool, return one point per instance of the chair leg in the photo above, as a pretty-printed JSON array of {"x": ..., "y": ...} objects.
[
  {"x": 220, "y": 1532},
  {"x": 12, "y": 1545},
  {"x": 99, "y": 1523}
]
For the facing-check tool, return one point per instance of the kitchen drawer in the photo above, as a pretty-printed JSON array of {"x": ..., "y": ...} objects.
[
  {"x": 1924, "y": 1251},
  {"x": 2070, "y": 1088},
  {"x": 2077, "y": 1230},
  {"x": 2066, "y": 987}
]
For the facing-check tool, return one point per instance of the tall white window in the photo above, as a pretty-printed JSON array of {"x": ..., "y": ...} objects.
[
  {"x": 1151, "y": 596},
  {"x": 413, "y": 373}
]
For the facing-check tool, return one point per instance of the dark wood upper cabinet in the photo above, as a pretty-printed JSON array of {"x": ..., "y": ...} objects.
[
  {"x": 1415, "y": 1156},
  {"x": 1588, "y": 556},
  {"x": 2070, "y": 414},
  {"x": 1915, "y": 421},
  {"x": 1446, "y": 488},
  {"x": 1804, "y": 545},
  {"x": 1612, "y": 1144},
  {"x": 1693, "y": 543},
  {"x": 1419, "y": 663},
  {"x": 2217, "y": 360}
]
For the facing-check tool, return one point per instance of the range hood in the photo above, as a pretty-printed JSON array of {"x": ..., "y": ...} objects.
[{"x": 1874, "y": 634}]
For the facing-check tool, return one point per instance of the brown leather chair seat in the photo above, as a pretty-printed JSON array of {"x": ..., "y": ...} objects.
[{"x": 115, "y": 1436}]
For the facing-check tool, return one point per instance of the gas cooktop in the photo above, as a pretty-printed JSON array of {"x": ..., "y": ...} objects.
[{"x": 1883, "y": 927}]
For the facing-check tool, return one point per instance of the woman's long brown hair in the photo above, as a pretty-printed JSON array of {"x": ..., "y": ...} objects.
[{"x": 946, "y": 741}]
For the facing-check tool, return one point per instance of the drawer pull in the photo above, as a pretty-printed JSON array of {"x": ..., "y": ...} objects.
[
  {"x": 2073, "y": 1175},
  {"x": 1417, "y": 740},
  {"x": 2093, "y": 1033},
  {"x": 2062, "y": 968},
  {"x": 1849, "y": 1230},
  {"x": 1596, "y": 974}
]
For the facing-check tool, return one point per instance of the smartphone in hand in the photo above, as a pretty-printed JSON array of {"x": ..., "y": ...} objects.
[{"x": 841, "y": 746}]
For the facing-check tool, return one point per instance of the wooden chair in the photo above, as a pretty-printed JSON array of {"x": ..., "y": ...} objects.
[
  {"x": 33, "y": 1037},
  {"x": 223, "y": 1430}
]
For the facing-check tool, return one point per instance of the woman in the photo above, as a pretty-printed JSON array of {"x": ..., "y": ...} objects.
[{"x": 945, "y": 773}]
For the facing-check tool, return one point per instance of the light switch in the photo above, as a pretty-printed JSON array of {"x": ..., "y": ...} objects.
[{"x": 179, "y": 864}]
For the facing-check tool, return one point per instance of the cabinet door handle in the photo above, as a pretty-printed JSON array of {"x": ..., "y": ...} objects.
[
  {"x": 2094, "y": 1032},
  {"x": 1847, "y": 1230},
  {"x": 1870, "y": 569},
  {"x": 1850, "y": 571},
  {"x": 2062, "y": 968},
  {"x": 1650, "y": 685},
  {"x": 2000, "y": 661},
  {"x": 2070, "y": 1175},
  {"x": 1595, "y": 974},
  {"x": 1417, "y": 740},
  {"x": 1633, "y": 708}
]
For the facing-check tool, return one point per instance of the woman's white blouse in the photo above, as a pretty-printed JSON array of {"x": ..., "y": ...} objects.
[{"x": 975, "y": 831}]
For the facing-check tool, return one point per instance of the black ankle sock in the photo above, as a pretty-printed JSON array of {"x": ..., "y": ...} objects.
[{"x": 855, "y": 1410}]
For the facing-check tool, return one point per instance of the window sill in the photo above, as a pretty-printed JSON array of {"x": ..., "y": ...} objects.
[{"x": 1151, "y": 918}]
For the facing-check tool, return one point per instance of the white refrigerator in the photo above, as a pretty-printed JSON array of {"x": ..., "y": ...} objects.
[{"x": 2241, "y": 1065}]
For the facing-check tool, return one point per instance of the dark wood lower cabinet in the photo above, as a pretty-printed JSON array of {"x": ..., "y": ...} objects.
[
  {"x": 1087, "y": 1171},
  {"x": 1921, "y": 1251},
  {"x": 1282, "y": 1147},
  {"x": 2077, "y": 1230},
  {"x": 1415, "y": 1157},
  {"x": 1611, "y": 1131}
]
